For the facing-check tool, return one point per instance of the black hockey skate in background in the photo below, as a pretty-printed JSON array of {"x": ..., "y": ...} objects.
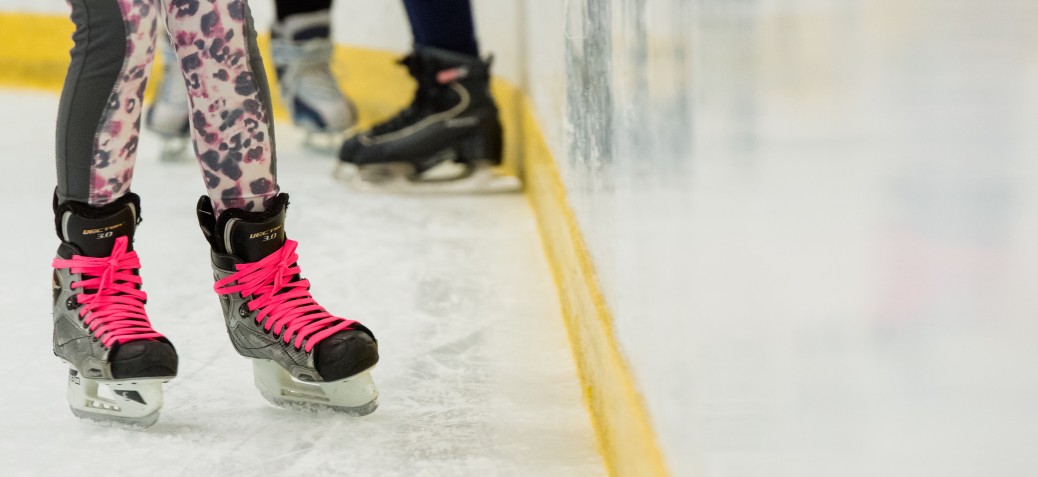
[{"x": 447, "y": 139}]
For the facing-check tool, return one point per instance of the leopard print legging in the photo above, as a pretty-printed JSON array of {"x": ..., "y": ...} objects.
[{"x": 230, "y": 122}]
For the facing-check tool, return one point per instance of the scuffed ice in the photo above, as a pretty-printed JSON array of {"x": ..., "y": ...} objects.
[{"x": 476, "y": 377}]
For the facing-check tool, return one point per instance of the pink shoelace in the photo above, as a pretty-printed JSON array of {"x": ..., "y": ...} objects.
[
  {"x": 288, "y": 304},
  {"x": 114, "y": 312}
]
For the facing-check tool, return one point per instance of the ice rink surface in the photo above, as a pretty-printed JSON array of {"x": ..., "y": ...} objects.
[{"x": 476, "y": 376}]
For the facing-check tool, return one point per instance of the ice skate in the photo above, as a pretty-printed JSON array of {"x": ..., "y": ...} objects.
[
  {"x": 117, "y": 362},
  {"x": 304, "y": 357},
  {"x": 168, "y": 115},
  {"x": 302, "y": 52},
  {"x": 447, "y": 141}
]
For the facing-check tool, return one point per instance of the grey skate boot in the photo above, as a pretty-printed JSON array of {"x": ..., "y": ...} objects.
[
  {"x": 302, "y": 52},
  {"x": 303, "y": 356},
  {"x": 117, "y": 361},
  {"x": 168, "y": 115}
]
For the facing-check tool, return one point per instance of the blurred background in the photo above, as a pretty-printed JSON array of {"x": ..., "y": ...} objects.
[{"x": 814, "y": 222}]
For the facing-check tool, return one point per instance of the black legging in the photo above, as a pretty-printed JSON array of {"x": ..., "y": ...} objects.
[{"x": 445, "y": 24}]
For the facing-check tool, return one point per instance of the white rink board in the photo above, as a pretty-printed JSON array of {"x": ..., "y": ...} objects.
[
  {"x": 476, "y": 374},
  {"x": 815, "y": 223}
]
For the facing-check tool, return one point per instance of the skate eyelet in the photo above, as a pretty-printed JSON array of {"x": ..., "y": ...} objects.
[
  {"x": 243, "y": 311},
  {"x": 71, "y": 303}
]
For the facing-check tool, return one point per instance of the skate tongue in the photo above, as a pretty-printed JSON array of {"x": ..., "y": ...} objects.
[
  {"x": 95, "y": 236},
  {"x": 252, "y": 241}
]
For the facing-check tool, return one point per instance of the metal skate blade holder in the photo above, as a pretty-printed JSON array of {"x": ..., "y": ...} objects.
[
  {"x": 447, "y": 177},
  {"x": 132, "y": 402},
  {"x": 323, "y": 142},
  {"x": 355, "y": 395}
]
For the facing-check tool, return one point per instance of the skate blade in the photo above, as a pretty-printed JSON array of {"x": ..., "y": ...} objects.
[
  {"x": 128, "y": 402},
  {"x": 355, "y": 395},
  {"x": 117, "y": 421},
  {"x": 446, "y": 178},
  {"x": 328, "y": 140}
]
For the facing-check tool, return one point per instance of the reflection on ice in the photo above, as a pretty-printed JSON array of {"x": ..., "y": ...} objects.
[{"x": 475, "y": 379}]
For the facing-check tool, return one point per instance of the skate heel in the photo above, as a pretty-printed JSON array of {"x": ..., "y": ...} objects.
[
  {"x": 129, "y": 402},
  {"x": 355, "y": 395},
  {"x": 484, "y": 146}
]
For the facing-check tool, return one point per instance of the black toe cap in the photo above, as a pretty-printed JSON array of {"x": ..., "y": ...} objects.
[
  {"x": 143, "y": 359},
  {"x": 345, "y": 354},
  {"x": 350, "y": 150}
]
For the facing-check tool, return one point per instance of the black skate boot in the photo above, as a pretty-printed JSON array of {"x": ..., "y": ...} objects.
[
  {"x": 303, "y": 356},
  {"x": 447, "y": 140},
  {"x": 100, "y": 327}
]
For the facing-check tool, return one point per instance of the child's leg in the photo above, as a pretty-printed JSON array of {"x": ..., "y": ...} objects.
[
  {"x": 303, "y": 355},
  {"x": 101, "y": 328},
  {"x": 301, "y": 51},
  {"x": 231, "y": 125},
  {"x": 100, "y": 108}
]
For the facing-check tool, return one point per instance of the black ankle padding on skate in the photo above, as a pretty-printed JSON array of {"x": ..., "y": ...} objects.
[
  {"x": 143, "y": 359},
  {"x": 425, "y": 64},
  {"x": 249, "y": 236},
  {"x": 207, "y": 222},
  {"x": 437, "y": 59},
  {"x": 93, "y": 230},
  {"x": 346, "y": 353}
]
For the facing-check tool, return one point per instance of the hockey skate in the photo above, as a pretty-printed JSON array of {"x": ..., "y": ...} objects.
[
  {"x": 303, "y": 356},
  {"x": 302, "y": 52},
  {"x": 168, "y": 115},
  {"x": 448, "y": 140},
  {"x": 117, "y": 362}
]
